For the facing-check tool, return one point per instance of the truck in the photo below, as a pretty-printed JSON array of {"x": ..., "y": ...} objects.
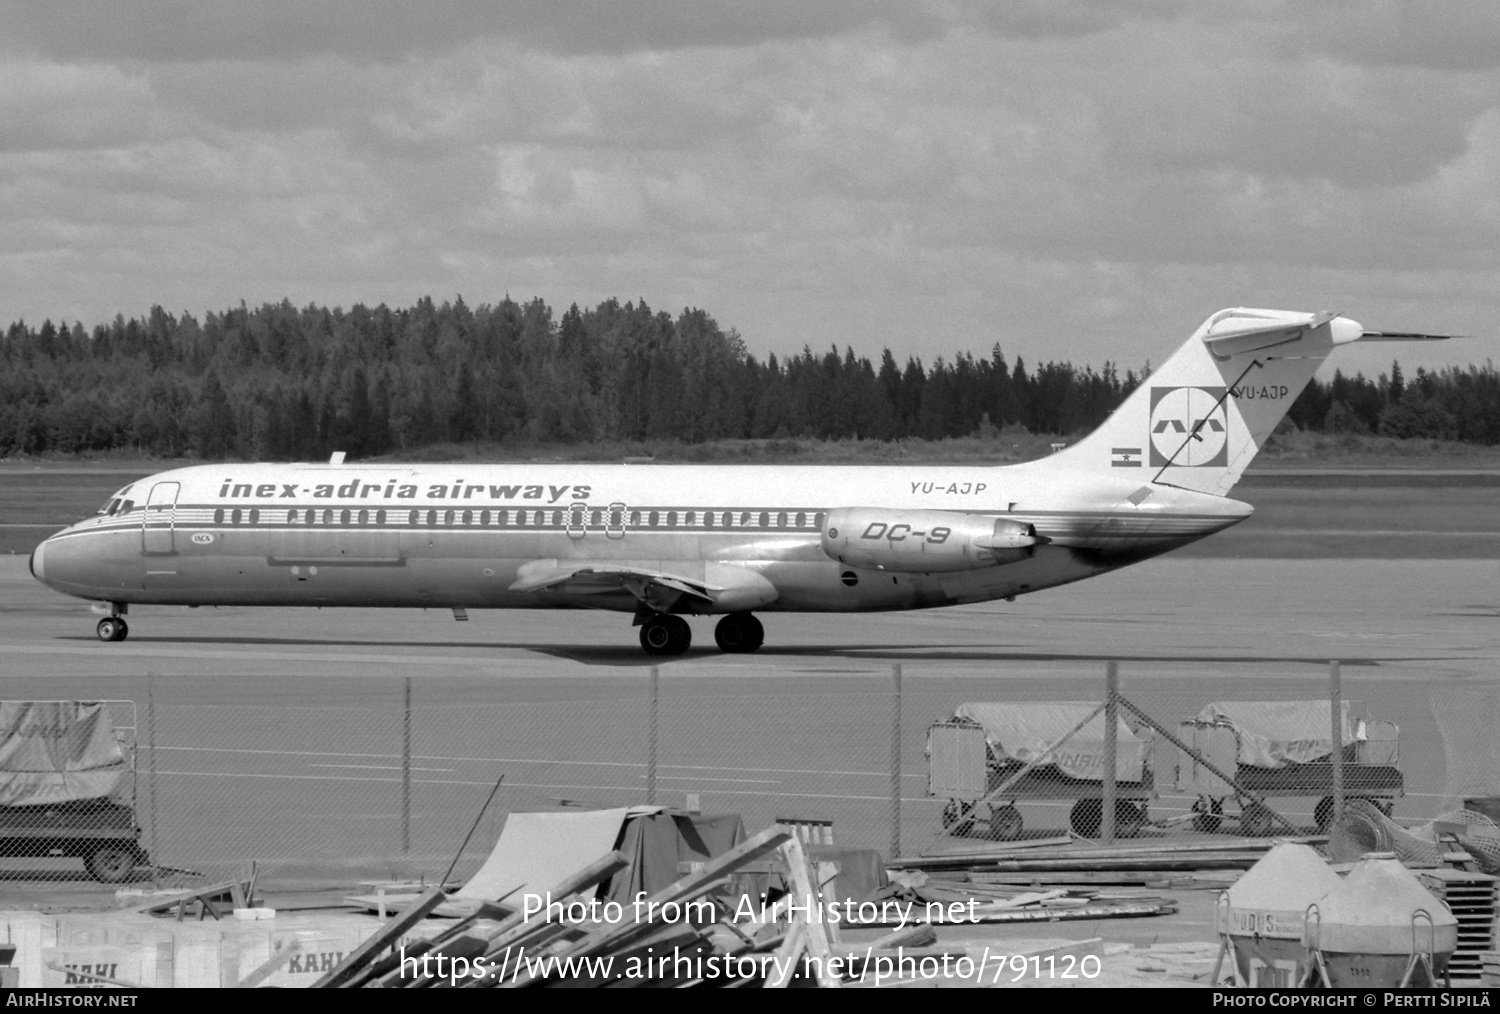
[{"x": 67, "y": 785}]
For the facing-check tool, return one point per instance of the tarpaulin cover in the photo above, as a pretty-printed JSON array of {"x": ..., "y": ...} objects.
[
  {"x": 656, "y": 843},
  {"x": 1274, "y": 734},
  {"x": 537, "y": 850},
  {"x": 1022, "y": 731},
  {"x": 56, "y": 752}
]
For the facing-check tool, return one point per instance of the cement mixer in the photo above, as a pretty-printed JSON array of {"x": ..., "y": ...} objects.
[
  {"x": 1260, "y": 919},
  {"x": 1378, "y": 928}
]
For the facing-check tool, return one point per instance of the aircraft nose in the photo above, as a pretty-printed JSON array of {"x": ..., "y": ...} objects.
[{"x": 37, "y": 569}]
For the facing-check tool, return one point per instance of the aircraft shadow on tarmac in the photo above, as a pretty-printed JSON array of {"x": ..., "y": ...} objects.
[{"x": 630, "y": 655}]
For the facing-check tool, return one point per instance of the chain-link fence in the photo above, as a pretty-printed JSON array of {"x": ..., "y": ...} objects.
[{"x": 378, "y": 779}]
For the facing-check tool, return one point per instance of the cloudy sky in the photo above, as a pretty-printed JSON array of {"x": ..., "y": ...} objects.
[{"x": 1075, "y": 180}]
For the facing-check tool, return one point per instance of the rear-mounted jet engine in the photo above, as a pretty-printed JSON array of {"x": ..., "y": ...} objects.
[{"x": 925, "y": 542}]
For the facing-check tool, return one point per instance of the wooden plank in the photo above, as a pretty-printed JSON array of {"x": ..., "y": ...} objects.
[
  {"x": 163, "y": 902},
  {"x": 788, "y": 955},
  {"x": 384, "y": 937},
  {"x": 606, "y": 938},
  {"x": 915, "y": 936},
  {"x": 805, "y": 883},
  {"x": 516, "y": 931},
  {"x": 268, "y": 968}
]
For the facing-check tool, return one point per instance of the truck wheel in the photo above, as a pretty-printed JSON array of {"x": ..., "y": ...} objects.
[
  {"x": 110, "y": 864},
  {"x": 1208, "y": 814},
  {"x": 1129, "y": 818},
  {"x": 1086, "y": 817},
  {"x": 954, "y": 813}
]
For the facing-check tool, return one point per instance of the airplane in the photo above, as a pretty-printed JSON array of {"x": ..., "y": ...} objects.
[{"x": 662, "y": 542}]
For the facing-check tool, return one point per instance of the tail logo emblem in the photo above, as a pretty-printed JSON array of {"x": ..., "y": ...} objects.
[{"x": 1190, "y": 416}]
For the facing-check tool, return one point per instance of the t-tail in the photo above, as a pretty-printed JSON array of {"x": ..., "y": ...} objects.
[{"x": 1199, "y": 420}]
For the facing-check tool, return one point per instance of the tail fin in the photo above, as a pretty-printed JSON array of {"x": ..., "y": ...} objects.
[{"x": 1199, "y": 420}]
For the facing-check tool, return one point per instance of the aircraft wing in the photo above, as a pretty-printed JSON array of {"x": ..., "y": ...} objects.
[{"x": 720, "y": 585}]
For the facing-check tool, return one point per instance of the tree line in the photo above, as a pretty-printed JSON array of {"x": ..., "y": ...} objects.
[{"x": 278, "y": 382}]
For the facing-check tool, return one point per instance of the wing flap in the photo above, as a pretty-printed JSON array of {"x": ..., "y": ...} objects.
[{"x": 723, "y": 587}]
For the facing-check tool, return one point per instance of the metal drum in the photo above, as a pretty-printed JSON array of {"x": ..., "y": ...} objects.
[
  {"x": 1380, "y": 928},
  {"x": 1260, "y": 919}
]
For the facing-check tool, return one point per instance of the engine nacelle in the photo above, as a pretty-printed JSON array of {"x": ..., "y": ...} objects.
[{"x": 925, "y": 542}]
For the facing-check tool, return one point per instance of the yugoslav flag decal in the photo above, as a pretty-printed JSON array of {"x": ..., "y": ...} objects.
[{"x": 1188, "y": 427}]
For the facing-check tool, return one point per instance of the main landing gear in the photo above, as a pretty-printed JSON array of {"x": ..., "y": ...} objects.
[
  {"x": 737, "y": 633},
  {"x": 112, "y": 628},
  {"x": 665, "y": 634}
]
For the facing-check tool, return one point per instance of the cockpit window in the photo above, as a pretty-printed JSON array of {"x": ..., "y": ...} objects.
[{"x": 117, "y": 504}]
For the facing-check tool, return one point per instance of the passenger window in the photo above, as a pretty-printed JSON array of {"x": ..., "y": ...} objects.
[
  {"x": 312, "y": 516},
  {"x": 364, "y": 517},
  {"x": 708, "y": 519},
  {"x": 234, "y": 518},
  {"x": 671, "y": 519},
  {"x": 415, "y": 517},
  {"x": 818, "y": 520},
  {"x": 765, "y": 520},
  {"x": 344, "y": 518},
  {"x": 255, "y": 515},
  {"x": 635, "y": 519},
  {"x": 448, "y": 518},
  {"x": 328, "y": 517},
  {"x": 468, "y": 517},
  {"x": 801, "y": 519},
  {"x": 380, "y": 518},
  {"x": 432, "y": 517},
  {"x": 219, "y": 516},
  {"x": 484, "y": 519}
]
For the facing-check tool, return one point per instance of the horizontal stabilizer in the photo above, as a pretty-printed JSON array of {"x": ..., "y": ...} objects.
[{"x": 1233, "y": 336}]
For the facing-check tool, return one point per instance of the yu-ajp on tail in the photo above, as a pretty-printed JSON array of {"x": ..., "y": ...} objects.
[{"x": 1198, "y": 421}]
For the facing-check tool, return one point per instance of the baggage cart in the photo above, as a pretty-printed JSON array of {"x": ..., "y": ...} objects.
[
  {"x": 973, "y": 755},
  {"x": 67, "y": 784},
  {"x": 1284, "y": 749}
]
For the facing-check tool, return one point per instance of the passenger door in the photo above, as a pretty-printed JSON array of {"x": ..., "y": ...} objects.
[{"x": 159, "y": 520}]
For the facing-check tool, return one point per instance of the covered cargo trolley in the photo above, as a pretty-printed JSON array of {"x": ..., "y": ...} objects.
[
  {"x": 972, "y": 756},
  {"x": 1284, "y": 748},
  {"x": 67, "y": 785}
]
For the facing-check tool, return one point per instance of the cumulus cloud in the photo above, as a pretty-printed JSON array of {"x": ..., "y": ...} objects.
[{"x": 920, "y": 175}]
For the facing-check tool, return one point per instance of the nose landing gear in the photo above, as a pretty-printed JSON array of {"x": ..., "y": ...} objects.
[{"x": 112, "y": 628}]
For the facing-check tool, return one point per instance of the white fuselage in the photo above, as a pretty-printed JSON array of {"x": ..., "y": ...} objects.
[{"x": 461, "y": 535}]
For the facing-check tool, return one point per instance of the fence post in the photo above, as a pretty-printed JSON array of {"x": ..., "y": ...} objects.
[
  {"x": 1111, "y": 746},
  {"x": 895, "y": 760},
  {"x": 1336, "y": 711},
  {"x": 651, "y": 736},
  {"x": 406, "y": 772},
  {"x": 151, "y": 842}
]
